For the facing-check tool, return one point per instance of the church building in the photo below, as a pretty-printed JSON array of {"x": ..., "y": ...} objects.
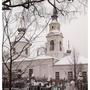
[{"x": 55, "y": 63}]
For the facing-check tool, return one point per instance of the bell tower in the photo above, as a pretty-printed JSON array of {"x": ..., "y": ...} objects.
[
  {"x": 55, "y": 37},
  {"x": 54, "y": 25}
]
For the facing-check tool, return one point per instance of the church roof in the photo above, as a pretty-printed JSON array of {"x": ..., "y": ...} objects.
[
  {"x": 43, "y": 57},
  {"x": 23, "y": 39},
  {"x": 21, "y": 35},
  {"x": 22, "y": 59},
  {"x": 40, "y": 57},
  {"x": 68, "y": 60}
]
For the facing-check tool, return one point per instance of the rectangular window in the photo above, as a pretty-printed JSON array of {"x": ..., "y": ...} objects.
[
  {"x": 60, "y": 46},
  {"x": 30, "y": 72},
  {"x": 70, "y": 75},
  {"x": 57, "y": 75},
  {"x": 26, "y": 51},
  {"x": 84, "y": 74}
]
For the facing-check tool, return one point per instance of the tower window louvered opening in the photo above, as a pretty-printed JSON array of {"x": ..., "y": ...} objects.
[
  {"x": 60, "y": 46},
  {"x": 51, "y": 45}
]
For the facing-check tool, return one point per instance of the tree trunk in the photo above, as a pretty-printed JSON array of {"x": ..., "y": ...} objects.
[
  {"x": 10, "y": 80},
  {"x": 75, "y": 72},
  {"x": 75, "y": 77},
  {"x": 10, "y": 76}
]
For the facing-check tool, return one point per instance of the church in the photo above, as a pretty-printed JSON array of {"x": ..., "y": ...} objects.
[{"x": 54, "y": 62}]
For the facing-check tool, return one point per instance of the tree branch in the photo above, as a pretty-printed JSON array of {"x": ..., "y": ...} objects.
[{"x": 25, "y": 4}]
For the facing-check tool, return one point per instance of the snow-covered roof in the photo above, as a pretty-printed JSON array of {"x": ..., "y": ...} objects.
[
  {"x": 21, "y": 59},
  {"x": 41, "y": 57},
  {"x": 23, "y": 39},
  {"x": 67, "y": 60}
]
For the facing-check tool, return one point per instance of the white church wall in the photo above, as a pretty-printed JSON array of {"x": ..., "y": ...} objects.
[
  {"x": 45, "y": 68},
  {"x": 64, "y": 69},
  {"x": 41, "y": 68}
]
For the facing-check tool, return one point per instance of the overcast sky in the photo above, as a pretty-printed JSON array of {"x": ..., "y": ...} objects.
[{"x": 77, "y": 32}]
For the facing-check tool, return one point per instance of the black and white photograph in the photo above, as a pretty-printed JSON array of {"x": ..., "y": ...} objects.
[{"x": 44, "y": 45}]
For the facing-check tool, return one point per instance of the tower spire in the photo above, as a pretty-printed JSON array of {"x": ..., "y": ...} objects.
[
  {"x": 68, "y": 45},
  {"x": 54, "y": 16}
]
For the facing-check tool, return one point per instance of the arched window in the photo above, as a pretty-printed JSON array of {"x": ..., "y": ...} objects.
[
  {"x": 60, "y": 46},
  {"x": 52, "y": 27},
  {"x": 51, "y": 45}
]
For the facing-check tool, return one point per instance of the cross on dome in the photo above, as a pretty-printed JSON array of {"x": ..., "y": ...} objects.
[{"x": 54, "y": 16}]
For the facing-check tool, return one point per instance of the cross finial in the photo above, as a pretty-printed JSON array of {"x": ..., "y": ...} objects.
[{"x": 54, "y": 16}]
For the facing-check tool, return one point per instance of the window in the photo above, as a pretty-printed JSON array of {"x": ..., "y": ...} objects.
[
  {"x": 70, "y": 75},
  {"x": 57, "y": 75},
  {"x": 51, "y": 45},
  {"x": 30, "y": 72},
  {"x": 84, "y": 74},
  {"x": 60, "y": 46},
  {"x": 26, "y": 51},
  {"x": 19, "y": 72},
  {"x": 52, "y": 27}
]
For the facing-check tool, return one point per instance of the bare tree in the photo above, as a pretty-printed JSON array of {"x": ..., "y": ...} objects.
[
  {"x": 74, "y": 61},
  {"x": 65, "y": 7},
  {"x": 10, "y": 57}
]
